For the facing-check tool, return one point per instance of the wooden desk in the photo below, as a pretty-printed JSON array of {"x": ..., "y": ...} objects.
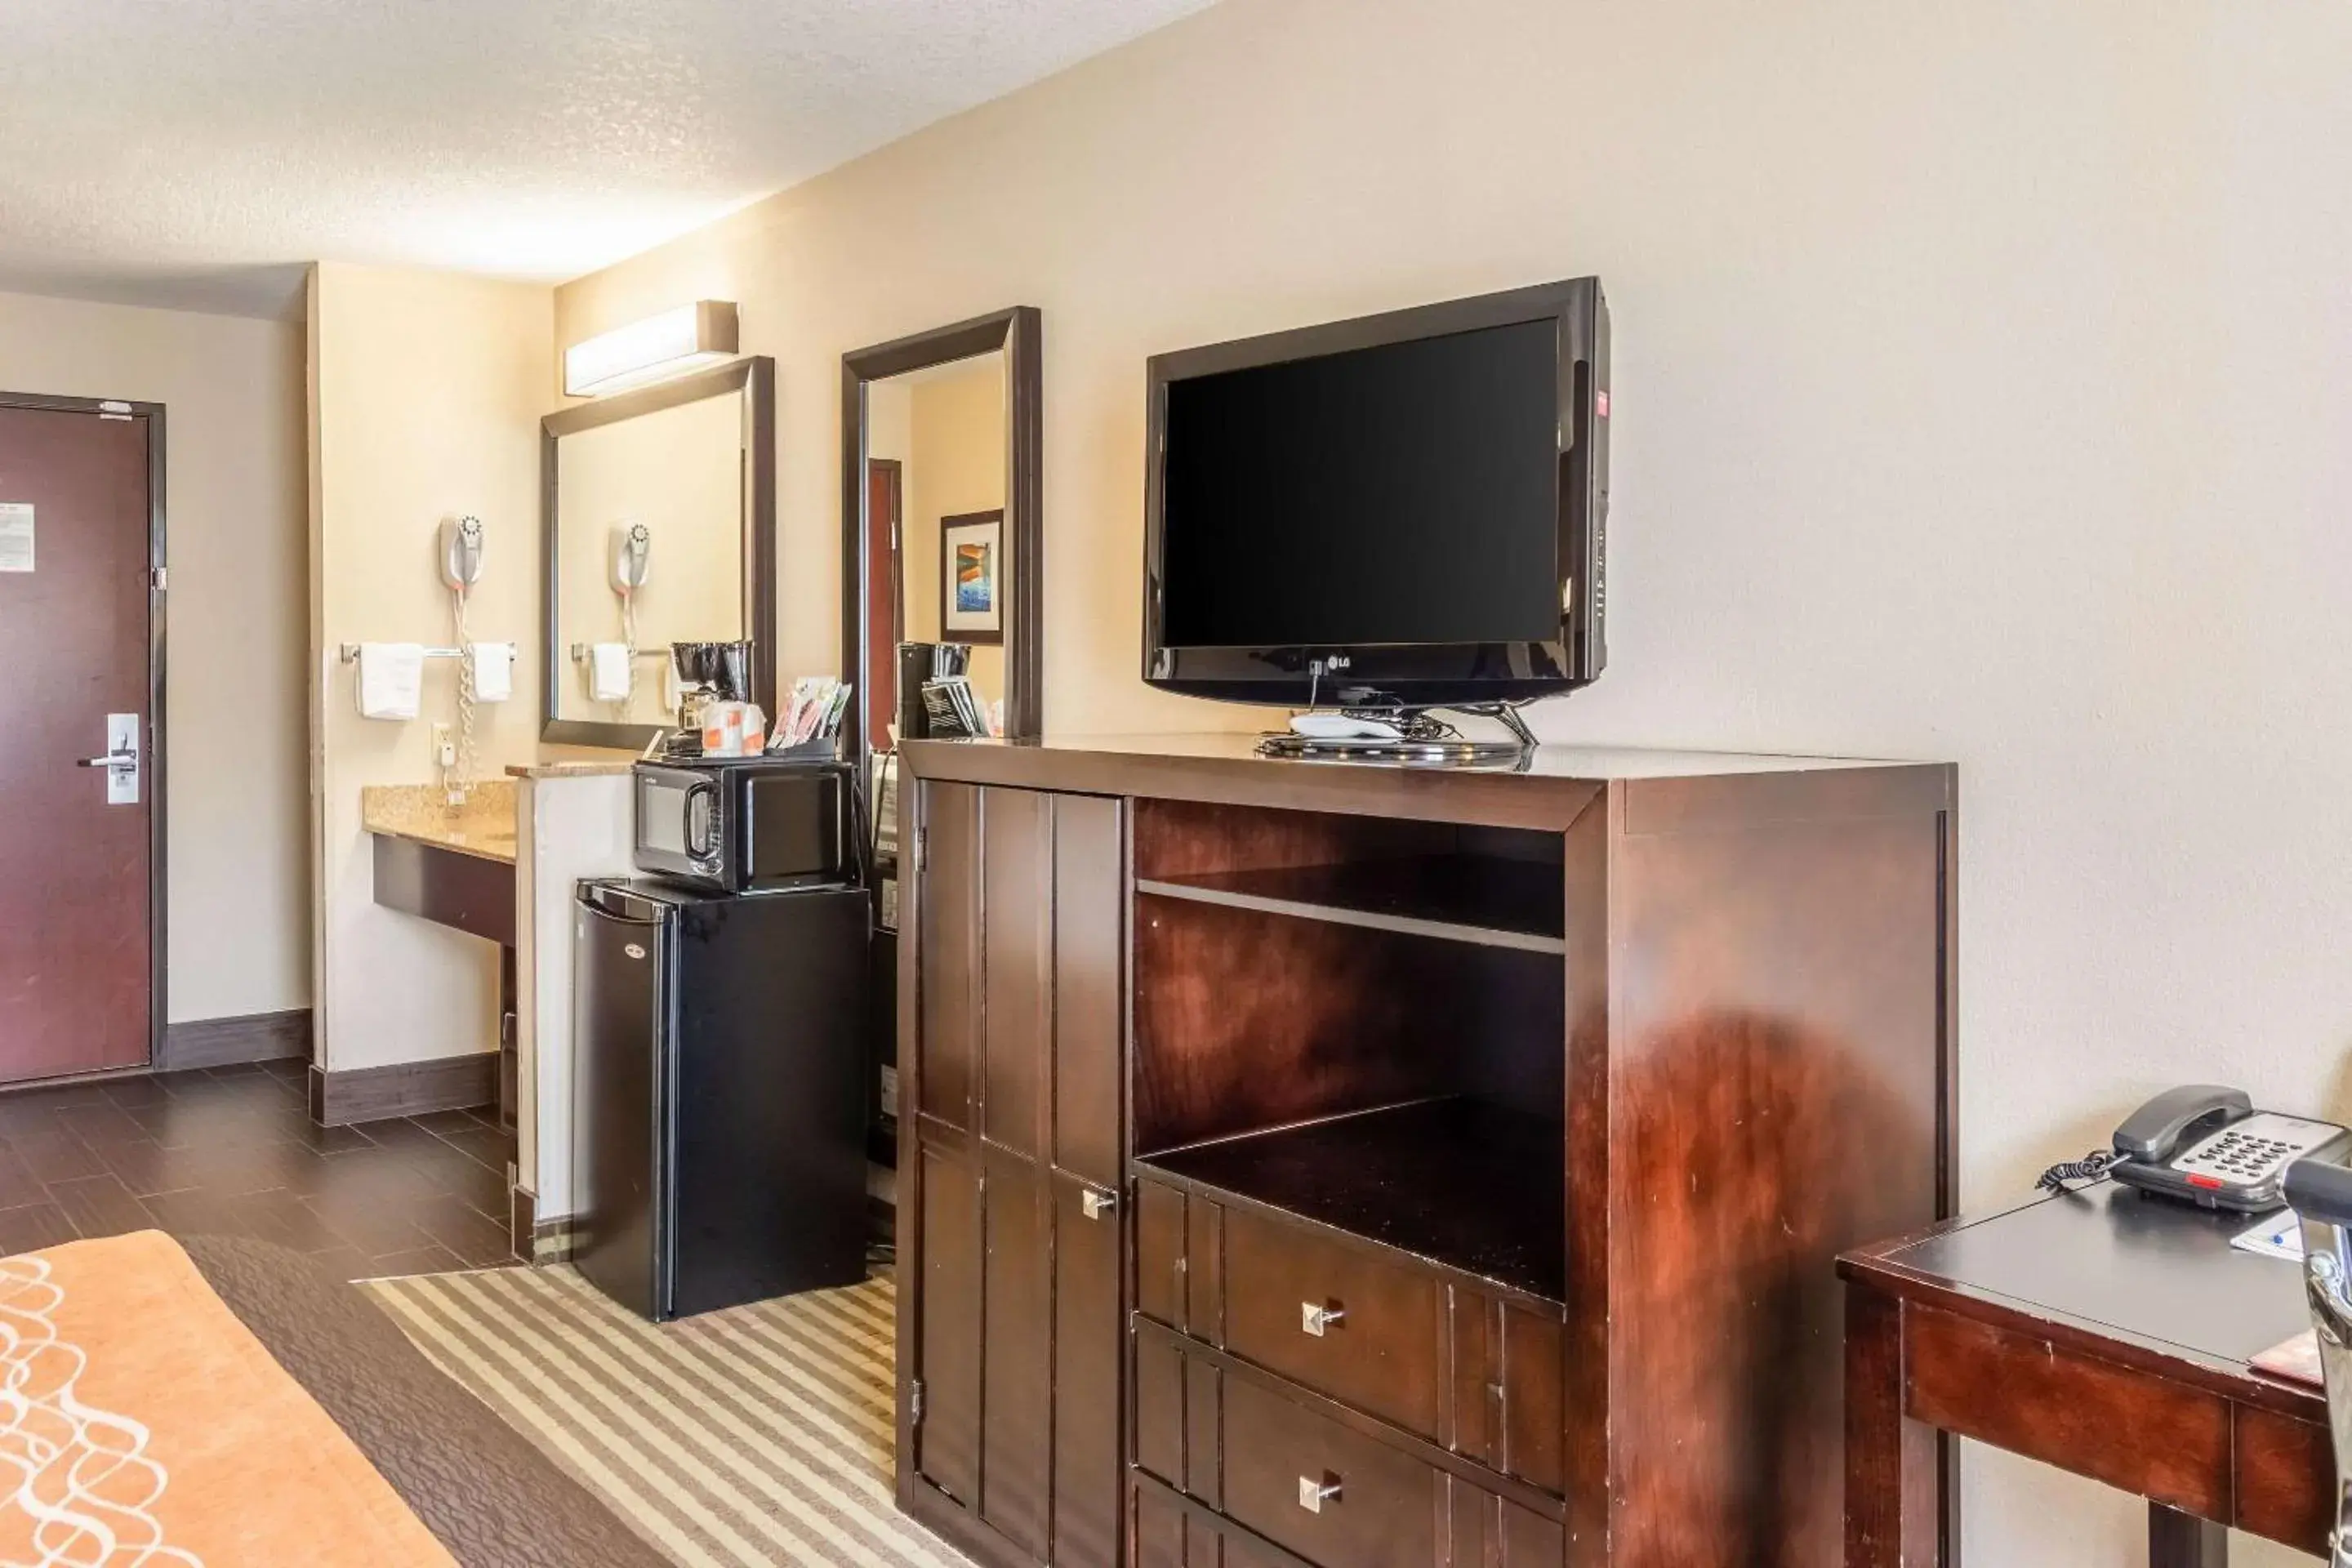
[{"x": 2105, "y": 1332}]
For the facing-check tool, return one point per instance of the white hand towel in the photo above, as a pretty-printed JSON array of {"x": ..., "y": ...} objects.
[
  {"x": 493, "y": 663},
  {"x": 608, "y": 671},
  {"x": 391, "y": 679}
]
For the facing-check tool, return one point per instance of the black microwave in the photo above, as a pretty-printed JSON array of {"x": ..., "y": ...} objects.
[{"x": 743, "y": 823}]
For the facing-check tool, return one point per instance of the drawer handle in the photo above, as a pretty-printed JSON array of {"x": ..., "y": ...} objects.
[
  {"x": 1313, "y": 1492},
  {"x": 1313, "y": 1319},
  {"x": 1094, "y": 1205}
]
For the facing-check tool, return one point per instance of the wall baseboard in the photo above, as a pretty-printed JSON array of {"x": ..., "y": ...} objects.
[
  {"x": 522, "y": 1224},
  {"x": 225, "y": 1042},
  {"x": 404, "y": 1088},
  {"x": 551, "y": 1240},
  {"x": 538, "y": 1241}
]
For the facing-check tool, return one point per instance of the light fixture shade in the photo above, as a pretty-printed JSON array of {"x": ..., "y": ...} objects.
[{"x": 652, "y": 350}]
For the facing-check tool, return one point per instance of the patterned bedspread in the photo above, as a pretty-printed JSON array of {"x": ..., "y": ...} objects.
[
  {"x": 223, "y": 1403},
  {"x": 142, "y": 1426}
]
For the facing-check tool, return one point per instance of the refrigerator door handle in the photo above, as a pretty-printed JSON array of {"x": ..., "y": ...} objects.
[{"x": 620, "y": 904}]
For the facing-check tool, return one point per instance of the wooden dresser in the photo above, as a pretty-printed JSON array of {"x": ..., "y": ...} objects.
[{"x": 1336, "y": 1165}]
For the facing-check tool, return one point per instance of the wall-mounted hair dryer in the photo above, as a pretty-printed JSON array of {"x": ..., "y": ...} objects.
[
  {"x": 462, "y": 540},
  {"x": 633, "y": 546}
]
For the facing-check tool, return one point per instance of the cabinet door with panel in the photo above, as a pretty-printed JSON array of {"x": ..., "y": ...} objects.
[{"x": 1010, "y": 1349}]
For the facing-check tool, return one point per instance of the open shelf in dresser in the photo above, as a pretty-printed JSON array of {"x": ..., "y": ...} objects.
[
  {"x": 1355, "y": 1023},
  {"x": 1458, "y": 1181},
  {"x": 1456, "y": 896}
]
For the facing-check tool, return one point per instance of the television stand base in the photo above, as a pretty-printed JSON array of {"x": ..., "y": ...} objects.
[
  {"x": 1414, "y": 754},
  {"x": 1408, "y": 736}
]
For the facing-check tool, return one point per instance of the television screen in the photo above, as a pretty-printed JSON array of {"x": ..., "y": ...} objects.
[{"x": 1403, "y": 493}]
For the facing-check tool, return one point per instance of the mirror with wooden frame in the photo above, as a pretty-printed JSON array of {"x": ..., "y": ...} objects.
[
  {"x": 657, "y": 526},
  {"x": 941, "y": 543}
]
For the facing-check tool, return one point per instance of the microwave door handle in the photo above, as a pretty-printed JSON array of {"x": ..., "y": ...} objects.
[{"x": 701, "y": 810}]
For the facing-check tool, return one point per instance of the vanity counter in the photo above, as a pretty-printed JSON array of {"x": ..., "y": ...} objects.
[
  {"x": 574, "y": 768},
  {"x": 484, "y": 826}
]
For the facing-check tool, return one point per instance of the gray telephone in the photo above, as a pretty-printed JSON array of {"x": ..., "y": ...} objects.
[{"x": 2209, "y": 1146}]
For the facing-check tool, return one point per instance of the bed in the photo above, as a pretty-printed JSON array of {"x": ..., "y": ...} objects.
[{"x": 221, "y": 1403}]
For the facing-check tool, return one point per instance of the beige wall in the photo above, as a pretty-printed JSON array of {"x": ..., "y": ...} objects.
[
  {"x": 427, "y": 389},
  {"x": 679, "y": 472},
  {"x": 1980, "y": 394},
  {"x": 232, "y": 390}
]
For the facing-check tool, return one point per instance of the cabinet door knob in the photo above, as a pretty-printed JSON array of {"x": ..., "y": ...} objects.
[
  {"x": 1314, "y": 1491},
  {"x": 1095, "y": 1205},
  {"x": 1315, "y": 1317}
]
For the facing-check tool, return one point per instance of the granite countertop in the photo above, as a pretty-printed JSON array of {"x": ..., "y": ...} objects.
[
  {"x": 577, "y": 768},
  {"x": 483, "y": 827}
]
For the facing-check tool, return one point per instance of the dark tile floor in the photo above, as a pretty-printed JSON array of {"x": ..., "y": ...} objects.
[{"x": 233, "y": 1151}]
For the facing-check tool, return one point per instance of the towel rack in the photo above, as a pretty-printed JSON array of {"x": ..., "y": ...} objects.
[
  {"x": 350, "y": 652},
  {"x": 580, "y": 652}
]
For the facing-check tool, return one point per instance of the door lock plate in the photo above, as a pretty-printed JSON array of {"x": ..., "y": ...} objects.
[{"x": 120, "y": 760}]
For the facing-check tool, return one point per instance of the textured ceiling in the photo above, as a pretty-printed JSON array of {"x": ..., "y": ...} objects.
[{"x": 197, "y": 153}]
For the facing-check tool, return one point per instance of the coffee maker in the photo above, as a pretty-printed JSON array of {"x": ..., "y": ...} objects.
[{"x": 707, "y": 672}]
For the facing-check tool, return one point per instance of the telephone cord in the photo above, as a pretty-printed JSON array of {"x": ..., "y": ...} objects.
[{"x": 2092, "y": 1167}]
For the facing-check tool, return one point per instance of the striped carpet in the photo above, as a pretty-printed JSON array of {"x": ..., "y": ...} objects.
[{"x": 759, "y": 1435}]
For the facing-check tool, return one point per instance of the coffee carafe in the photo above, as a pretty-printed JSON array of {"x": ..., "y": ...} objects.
[{"x": 711, "y": 672}]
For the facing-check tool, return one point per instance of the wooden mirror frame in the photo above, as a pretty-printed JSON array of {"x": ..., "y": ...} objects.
[
  {"x": 1019, "y": 333},
  {"x": 755, "y": 376}
]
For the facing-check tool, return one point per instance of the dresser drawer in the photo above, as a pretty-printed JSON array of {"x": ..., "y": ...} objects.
[
  {"x": 1169, "y": 1534},
  {"x": 1342, "y": 1320},
  {"x": 1329, "y": 1494},
  {"x": 1475, "y": 1370},
  {"x": 1246, "y": 1456}
]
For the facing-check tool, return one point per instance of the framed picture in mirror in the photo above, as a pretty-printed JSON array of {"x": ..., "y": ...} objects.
[
  {"x": 971, "y": 577},
  {"x": 941, "y": 430}
]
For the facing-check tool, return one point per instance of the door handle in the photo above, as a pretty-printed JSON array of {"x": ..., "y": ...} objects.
[
  {"x": 1314, "y": 1317},
  {"x": 1095, "y": 1205},
  {"x": 1314, "y": 1492},
  {"x": 121, "y": 761},
  {"x": 701, "y": 821}
]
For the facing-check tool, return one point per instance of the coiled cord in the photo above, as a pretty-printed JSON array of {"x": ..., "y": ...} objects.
[{"x": 2091, "y": 1167}]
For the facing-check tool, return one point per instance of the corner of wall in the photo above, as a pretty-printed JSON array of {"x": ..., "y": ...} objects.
[
  {"x": 314, "y": 684},
  {"x": 426, "y": 392}
]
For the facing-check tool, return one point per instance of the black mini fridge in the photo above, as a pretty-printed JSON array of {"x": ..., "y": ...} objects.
[{"x": 719, "y": 1096}]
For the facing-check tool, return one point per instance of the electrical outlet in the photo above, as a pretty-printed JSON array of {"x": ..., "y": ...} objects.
[{"x": 444, "y": 746}]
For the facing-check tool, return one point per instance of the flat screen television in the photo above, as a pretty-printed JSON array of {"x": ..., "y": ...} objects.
[{"x": 1402, "y": 510}]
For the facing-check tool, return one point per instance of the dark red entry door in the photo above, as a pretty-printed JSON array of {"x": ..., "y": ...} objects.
[
  {"x": 76, "y": 931},
  {"x": 883, "y": 501}
]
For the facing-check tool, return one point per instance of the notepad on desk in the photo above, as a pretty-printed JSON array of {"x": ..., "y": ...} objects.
[{"x": 2276, "y": 1235}]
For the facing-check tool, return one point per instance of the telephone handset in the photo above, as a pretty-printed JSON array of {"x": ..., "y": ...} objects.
[{"x": 2209, "y": 1146}]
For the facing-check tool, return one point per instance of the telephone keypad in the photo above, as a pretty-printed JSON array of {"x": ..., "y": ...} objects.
[{"x": 2255, "y": 1150}]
